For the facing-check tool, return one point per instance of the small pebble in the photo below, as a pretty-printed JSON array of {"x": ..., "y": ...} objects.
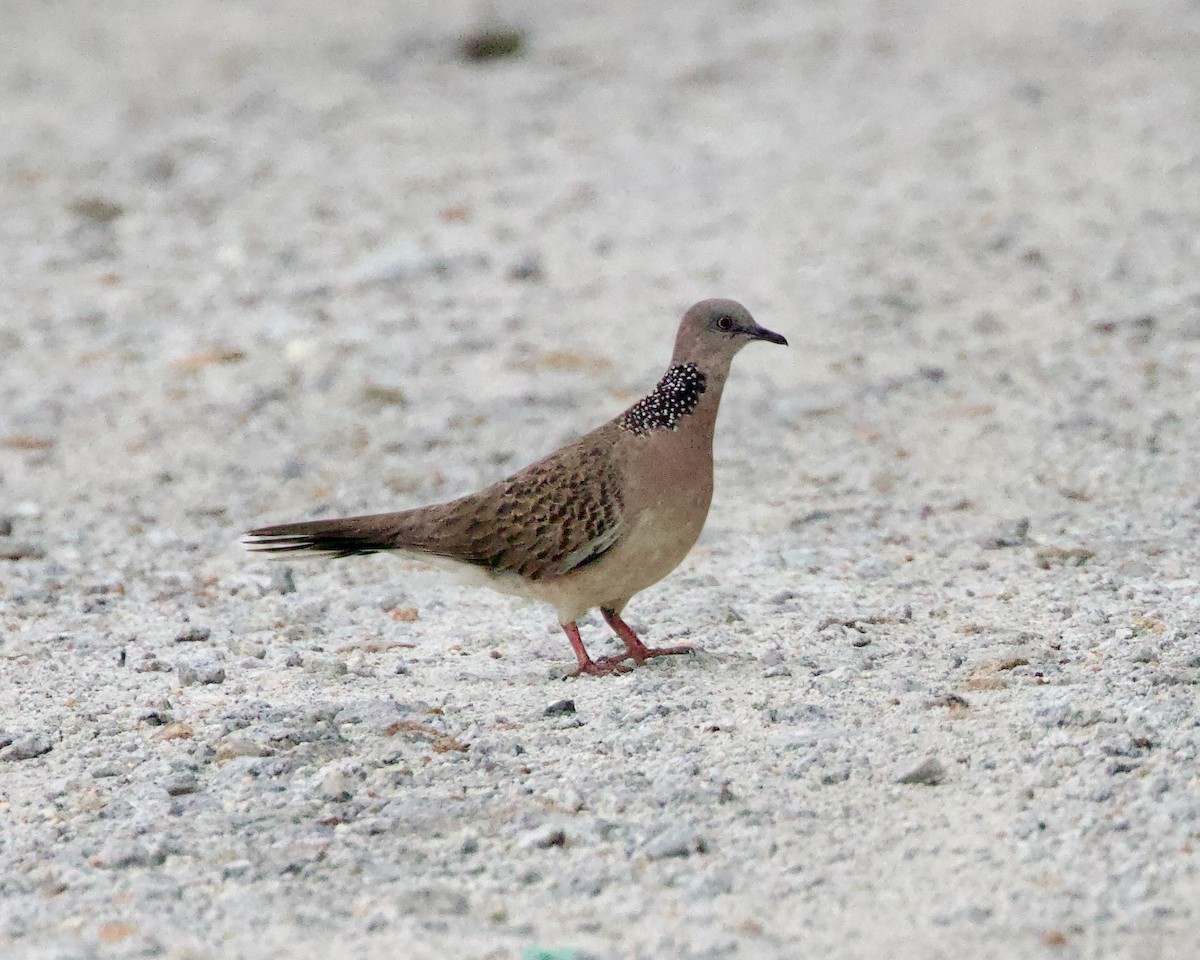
[
  {"x": 157, "y": 167},
  {"x": 96, "y": 209},
  {"x": 835, "y": 775},
  {"x": 27, "y": 747},
  {"x": 253, "y": 650},
  {"x": 930, "y": 773},
  {"x": 181, "y": 783},
  {"x": 122, "y": 854},
  {"x": 326, "y": 666},
  {"x": 1011, "y": 533},
  {"x": 193, "y": 635},
  {"x": 543, "y": 837},
  {"x": 390, "y": 601},
  {"x": 12, "y": 550},
  {"x": 560, "y": 708},
  {"x": 1051, "y": 556},
  {"x": 282, "y": 580},
  {"x": 200, "y": 672},
  {"x": 528, "y": 269},
  {"x": 175, "y": 731},
  {"x": 676, "y": 841},
  {"x": 874, "y": 568},
  {"x": 492, "y": 43},
  {"x": 149, "y": 663},
  {"x": 337, "y": 787},
  {"x": 240, "y": 746}
]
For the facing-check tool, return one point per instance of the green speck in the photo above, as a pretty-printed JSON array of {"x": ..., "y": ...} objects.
[{"x": 544, "y": 953}]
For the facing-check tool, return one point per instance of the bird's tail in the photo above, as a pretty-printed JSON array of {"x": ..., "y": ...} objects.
[{"x": 344, "y": 537}]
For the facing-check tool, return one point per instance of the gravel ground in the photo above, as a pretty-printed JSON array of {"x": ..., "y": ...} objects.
[{"x": 264, "y": 261}]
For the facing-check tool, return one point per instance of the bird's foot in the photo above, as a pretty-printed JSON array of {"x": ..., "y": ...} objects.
[
  {"x": 618, "y": 664},
  {"x": 602, "y": 667},
  {"x": 635, "y": 650},
  {"x": 641, "y": 653}
]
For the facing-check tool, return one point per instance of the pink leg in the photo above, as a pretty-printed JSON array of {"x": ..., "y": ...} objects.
[
  {"x": 587, "y": 664},
  {"x": 636, "y": 651}
]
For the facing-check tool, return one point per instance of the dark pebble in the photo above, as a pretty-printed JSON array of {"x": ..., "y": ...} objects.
[
  {"x": 930, "y": 773},
  {"x": 675, "y": 841},
  {"x": 492, "y": 43},
  {"x": 1014, "y": 533},
  {"x": 204, "y": 672},
  {"x": 193, "y": 635},
  {"x": 181, "y": 784},
  {"x": 528, "y": 269},
  {"x": 282, "y": 580},
  {"x": 12, "y": 550},
  {"x": 96, "y": 209},
  {"x": 26, "y": 748}
]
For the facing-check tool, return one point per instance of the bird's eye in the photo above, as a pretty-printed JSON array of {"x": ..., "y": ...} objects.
[{"x": 725, "y": 323}]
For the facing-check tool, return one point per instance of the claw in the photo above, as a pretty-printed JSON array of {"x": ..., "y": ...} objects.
[{"x": 601, "y": 668}]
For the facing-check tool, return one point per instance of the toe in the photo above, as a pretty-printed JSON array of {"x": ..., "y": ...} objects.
[
  {"x": 668, "y": 651},
  {"x": 601, "y": 668}
]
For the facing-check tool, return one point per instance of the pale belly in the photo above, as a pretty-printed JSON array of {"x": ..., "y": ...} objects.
[{"x": 651, "y": 550}]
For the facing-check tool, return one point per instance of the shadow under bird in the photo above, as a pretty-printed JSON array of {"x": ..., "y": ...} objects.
[{"x": 591, "y": 524}]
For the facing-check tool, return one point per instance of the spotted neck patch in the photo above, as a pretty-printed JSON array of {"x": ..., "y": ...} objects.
[{"x": 677, "y": 394}]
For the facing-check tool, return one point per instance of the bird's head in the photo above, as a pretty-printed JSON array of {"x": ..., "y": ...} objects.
[{"x": 712, "y": 331}]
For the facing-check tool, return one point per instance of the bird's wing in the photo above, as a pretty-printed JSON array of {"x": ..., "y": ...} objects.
[{"x": 553, "y": 517}]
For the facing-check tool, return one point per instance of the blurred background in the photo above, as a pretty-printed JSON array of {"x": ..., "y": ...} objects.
[{"x": 265, "y": 260}]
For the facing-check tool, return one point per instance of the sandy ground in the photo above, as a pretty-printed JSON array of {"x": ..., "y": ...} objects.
[{"x": 265, "y": 261}]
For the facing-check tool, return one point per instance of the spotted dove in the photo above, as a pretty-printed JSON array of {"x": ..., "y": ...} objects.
[{"x": 591, "y": 524}]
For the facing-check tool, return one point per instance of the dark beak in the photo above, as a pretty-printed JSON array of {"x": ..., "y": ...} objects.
[{"x": 761, "y": 333}]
